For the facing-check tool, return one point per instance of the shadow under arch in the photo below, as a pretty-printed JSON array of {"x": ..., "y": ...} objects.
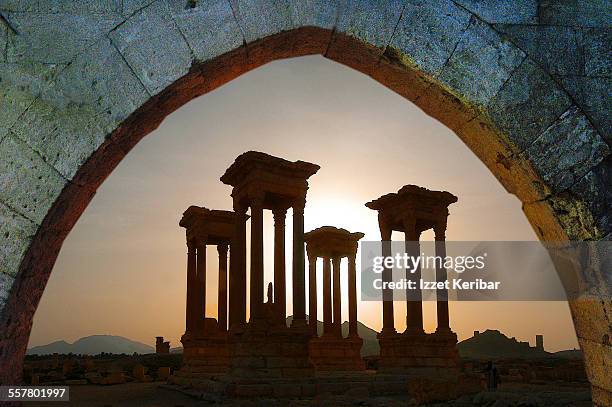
[{"x": 495, "y": 150}]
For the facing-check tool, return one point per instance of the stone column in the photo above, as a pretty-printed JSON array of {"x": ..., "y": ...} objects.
[
  {"x": 279, "y": 263},
  {"x": 441, "y": 294},
  {"x": 352, "y": 297},
  {"x": 387, "y": 276},
  {"x": 237, "y": 277},
  {"x": 337, "y": 298},
  {"x": 312, "y": 289},
  {"x": 222, "y": 299},
  {"x": 257, "y": 260},
  {"x": 191, "y": 307},
  {"x": 299, "y": 294},
  {"x": 201, "y": 290},
  {"x": 327, "y": 301},
  {"x": 414, "y": 298}
]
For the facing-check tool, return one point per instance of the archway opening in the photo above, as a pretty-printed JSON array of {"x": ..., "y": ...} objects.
[{"x": 381, "y": 129}]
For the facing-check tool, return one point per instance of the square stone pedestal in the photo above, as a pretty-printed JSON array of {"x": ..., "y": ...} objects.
[
  {"x": 206, "y": 355},
  {"x": 266, "y": 350},
  {"x": 331, "y": 353},
  {"x": 433, "y": 355}
]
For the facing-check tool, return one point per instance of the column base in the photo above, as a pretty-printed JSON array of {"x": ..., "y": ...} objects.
[{"x": 387, "y": 333}]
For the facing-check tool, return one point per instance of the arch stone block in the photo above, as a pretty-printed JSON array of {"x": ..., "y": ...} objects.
[
  {"x": 153, "y": 46},
  {"x": 210, "y": 28},
  {"x": 27, "y": 183},
  {"x": 428, "y": 33},
  {"x": 16, "y": 233},
  {"x": 527, "y": 103},
  {"x": 481, "y": 51}
]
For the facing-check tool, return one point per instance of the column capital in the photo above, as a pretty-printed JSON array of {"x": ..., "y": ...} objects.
[
  {"x": 256, "y": 198},
  {"x": 299, "y": 204},
  {"x": 440, "y": 229},
  {"x": 201, "y": 243},
  {"x": 279, "y": 215},
  {"x": 191, "y": 246},
  {"x": 385, "y": 230},
  {"x": 240, "y": 208},
  {"x": 410, "y": 231},
  {"x": 222, "y": 249}
]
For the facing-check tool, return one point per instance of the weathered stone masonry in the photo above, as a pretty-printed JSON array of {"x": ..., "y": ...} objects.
[{"x": 525, "y": 84}]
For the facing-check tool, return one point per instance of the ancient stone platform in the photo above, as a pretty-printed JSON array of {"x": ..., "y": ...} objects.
[
  {"x": 206, "y": 354},
  {"x": 266, "y": 351},
  {"x": 330, "y": 353},
  {"x": 431, "y": 354},
  {"x": 359, "y": 385}
]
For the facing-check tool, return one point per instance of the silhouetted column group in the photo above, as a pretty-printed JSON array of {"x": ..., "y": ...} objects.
[
  {"x": 412, "y": 210},
  {"x": 238, "y": 275},
  {"x": 332, "y": 295},
  {"x": 196, "y": 286},
  {"x": 264, "y": 182},
  {"x": 332, "y": 245},
  {"x": 414, "y": 309}
]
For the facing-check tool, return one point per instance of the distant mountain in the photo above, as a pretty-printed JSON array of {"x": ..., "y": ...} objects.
[
  {"x": 93, "y": 345},
  {"x": 492, "y": 344}
]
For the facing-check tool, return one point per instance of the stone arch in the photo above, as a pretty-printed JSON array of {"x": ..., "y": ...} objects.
[{"x": 83, "y": 83}]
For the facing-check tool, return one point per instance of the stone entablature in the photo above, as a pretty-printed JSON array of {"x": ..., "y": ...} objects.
[
  {"x": 412, "y": 210},
  {"x": 278, "y": 182}
]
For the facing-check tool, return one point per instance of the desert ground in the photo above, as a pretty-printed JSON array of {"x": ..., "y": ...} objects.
[{"x": 154, "y": 395}]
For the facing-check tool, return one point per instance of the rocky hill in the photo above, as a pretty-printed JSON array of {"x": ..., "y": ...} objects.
[{"x": 492, "y": 344}]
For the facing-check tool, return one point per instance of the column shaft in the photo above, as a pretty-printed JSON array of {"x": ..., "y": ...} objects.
[
  {"x": 222, "y": 298},
  {"x": 299, "y": 283},
  {"x": 191, "y": 308},
  {"x": 327, "y": 301},
  {"x": 280, "y": 301},
  {"x": 312, "y": 289},
  {"x": 441, "y": 294},
  {"x": 257, "y": 261},
  {"x": 414, "y": 298},
  {"x": 237, "y": 277},
  {"x": 337, "y": 298},
  {"x": 201, "y": 290},
  {"x": 352, "y": 297},
  {"x": 387, "y": 276}
]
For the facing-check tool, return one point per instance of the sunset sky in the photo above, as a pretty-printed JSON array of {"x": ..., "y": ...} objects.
[{"x": 122, "y": 269}]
